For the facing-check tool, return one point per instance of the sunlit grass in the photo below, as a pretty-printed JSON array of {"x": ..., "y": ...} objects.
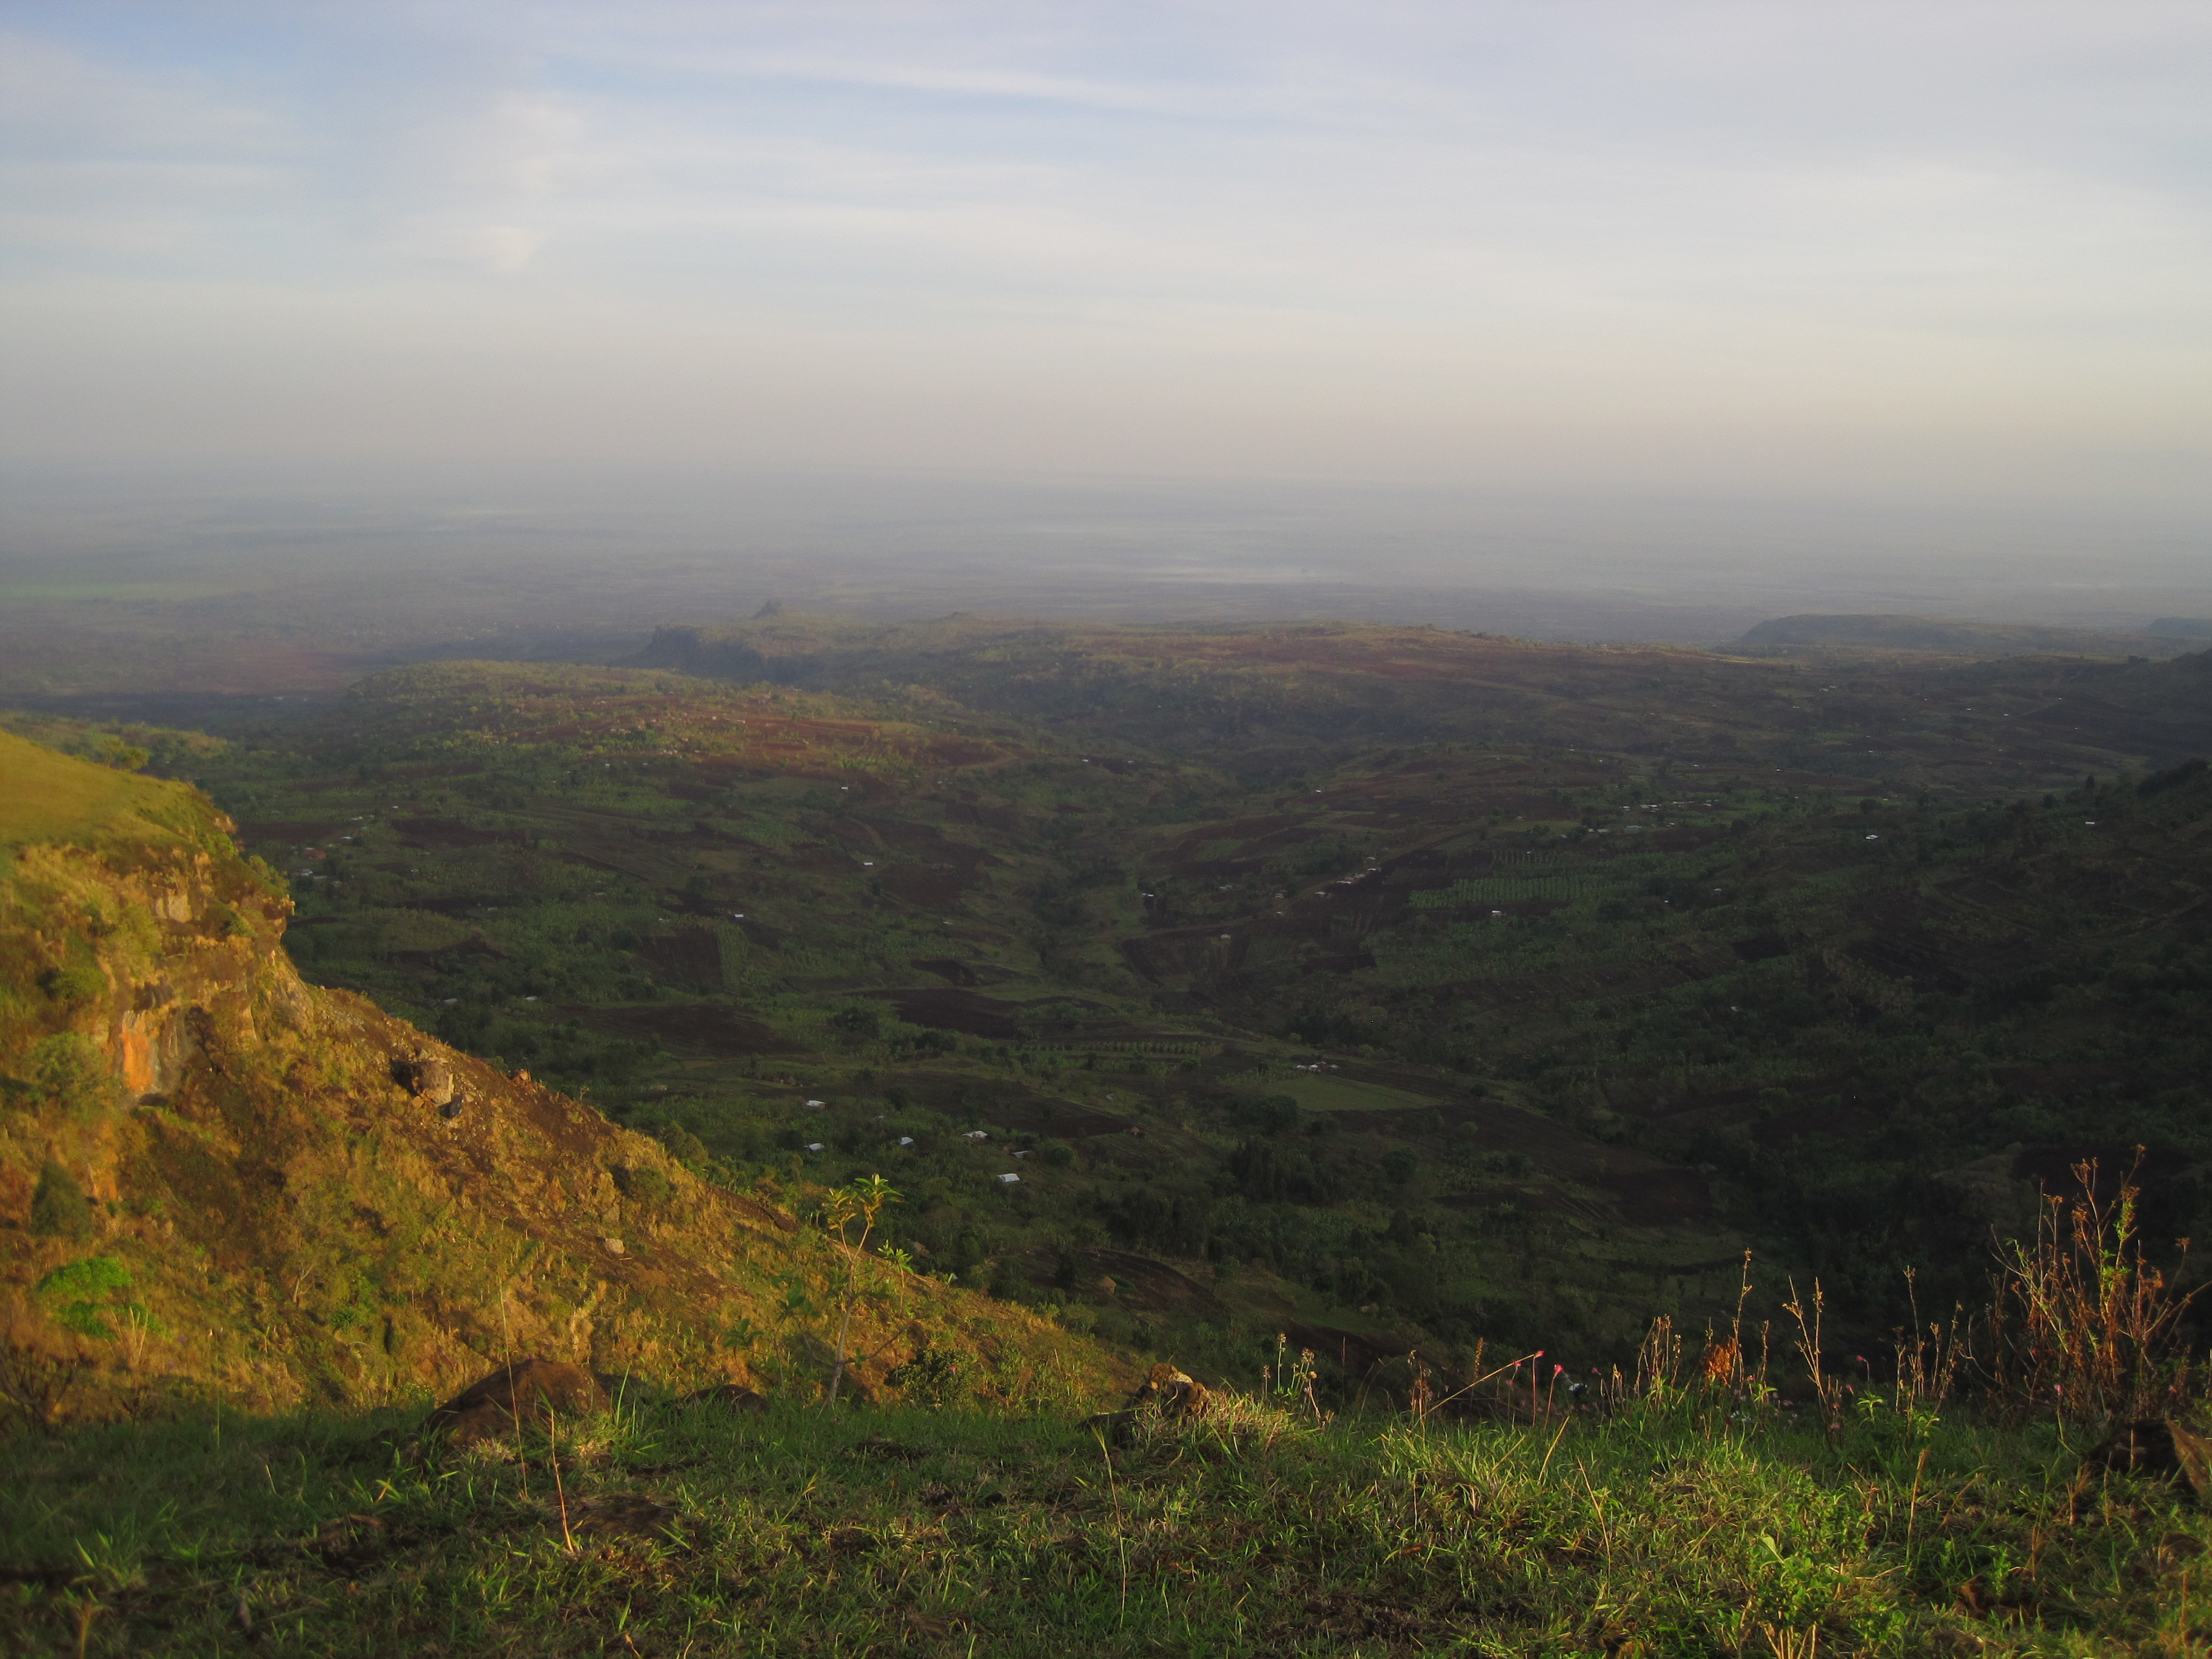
[{"x": 1674, "y": 1529}]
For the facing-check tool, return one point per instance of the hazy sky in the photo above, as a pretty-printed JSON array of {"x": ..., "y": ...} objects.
[{"x": 1938, "y": 248}]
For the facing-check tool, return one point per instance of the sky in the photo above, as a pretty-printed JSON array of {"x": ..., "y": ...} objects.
[{"x": 1955, "y": 252}]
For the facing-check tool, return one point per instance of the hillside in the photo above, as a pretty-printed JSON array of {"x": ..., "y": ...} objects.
[
  {"x": 1458, "y": 1037},
  {"x": 1266, "y": 704},
  {"x": 1469, "y": 1067},
  {"x": 1958, "y": 638},
  {"x": 220, "y": 1181}
]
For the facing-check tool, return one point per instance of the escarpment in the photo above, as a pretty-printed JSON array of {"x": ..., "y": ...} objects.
[{"x": 217, "y": 1179}]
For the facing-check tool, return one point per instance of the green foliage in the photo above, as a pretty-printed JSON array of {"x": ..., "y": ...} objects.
[
  {"x": 59, "y": 1208},
  {"x": 934, "y": 1377},
  {"x": 82, "y": 1296},
  {"x": 642, "y": 1185},
  {"x": 857, "y": 1019},
  {"x": 69, "y": 1070},
  {"x": 1787, "y": 984}
]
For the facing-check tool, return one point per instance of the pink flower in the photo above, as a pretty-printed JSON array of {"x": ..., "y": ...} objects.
[{"x": 1556, "y": 1369}]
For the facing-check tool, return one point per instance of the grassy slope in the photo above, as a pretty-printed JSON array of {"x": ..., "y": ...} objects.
[
  {"x": 293, "y": 1225},
  {"x": 1667, "y": 1531},
  {"x": 46, "y": 796}
]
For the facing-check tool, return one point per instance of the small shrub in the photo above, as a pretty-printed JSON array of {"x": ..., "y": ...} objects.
[
  {"x": 642, "y": 1186},
  {"x": 2083, "y": 1324},
  {"x": 935, "y": 1377},
  {"x": 59, "y": 1208},
  {"x": 858, "y": 1020},
  {"x": 82, "y": 1295},
  {"x": 70, "y": 1071},
  {"x": 74, "y": 982}
]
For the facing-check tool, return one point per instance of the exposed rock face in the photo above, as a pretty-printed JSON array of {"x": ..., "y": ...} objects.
[{"x": 533, "y": 1392}]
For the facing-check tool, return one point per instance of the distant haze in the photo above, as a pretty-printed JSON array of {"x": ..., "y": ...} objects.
[
  {"x": 407, "y": 558},
  {"x": 1944, "y": 260}
]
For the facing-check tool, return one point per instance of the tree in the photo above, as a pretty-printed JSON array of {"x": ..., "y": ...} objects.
[{"x": 861, "y": 1202}]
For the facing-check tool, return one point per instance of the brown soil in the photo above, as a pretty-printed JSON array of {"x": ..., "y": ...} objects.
[
  {"x": 694, "y": 955},
  {"x": 965, "y": 974},
  {"x": 1359, "y": 1354},
  {"x": 931, "y": 886},
  {"x": 959, "y": 1011},
  {"x": 1061, "y": 1118},
  {"x": 1660, "y": 1197},
  {"x": 1147, "y": 1285},
  {"x": 293, "y": 832}
]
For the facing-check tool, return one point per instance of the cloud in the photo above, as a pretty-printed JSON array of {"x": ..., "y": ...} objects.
[
  {"x": 1724, "y": 241},
  {"x": 504, "y": 249}
]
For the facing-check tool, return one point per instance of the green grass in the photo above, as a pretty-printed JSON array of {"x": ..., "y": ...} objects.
[
  {"x": 1658, "y": 1532},
  {"x": 46, "y": 796},
  {"x": 1822, "y": 990},
  {"x": 1325, "y": 1093}
]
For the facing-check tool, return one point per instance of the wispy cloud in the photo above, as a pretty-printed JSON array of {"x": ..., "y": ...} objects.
[{"x": 1724, "y": 238}]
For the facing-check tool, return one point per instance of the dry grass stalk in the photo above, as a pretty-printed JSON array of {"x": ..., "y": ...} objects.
[
  {"x": 1930, "y": 1359},
  {"x": 2082, "y": 1325},
  {"x": 1826, "y": 1390},
  {"x": 1659, "y": 1361}
]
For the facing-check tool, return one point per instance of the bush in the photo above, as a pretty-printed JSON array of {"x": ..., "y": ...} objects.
[
  {"x": 75, "y": 982},
  {"x": 59, "y": 1208},
  {"x": 858, "y": 1020},
  {"x": 647, "y": 1186},
  {"x": 82, "y": 1295},
  {"x": 934, "y": 1378},
  {"x": 70, "y": 1071}
]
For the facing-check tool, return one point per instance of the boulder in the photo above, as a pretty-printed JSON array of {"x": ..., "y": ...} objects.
[
  {"x": 530, "y": 1391},
  {"x": 1167, "y": 1393},
  {"x": 1171, "y": 1393},
  {"x": 2155, "y": 1445},
  {"x": 428, "y": 1079}
]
